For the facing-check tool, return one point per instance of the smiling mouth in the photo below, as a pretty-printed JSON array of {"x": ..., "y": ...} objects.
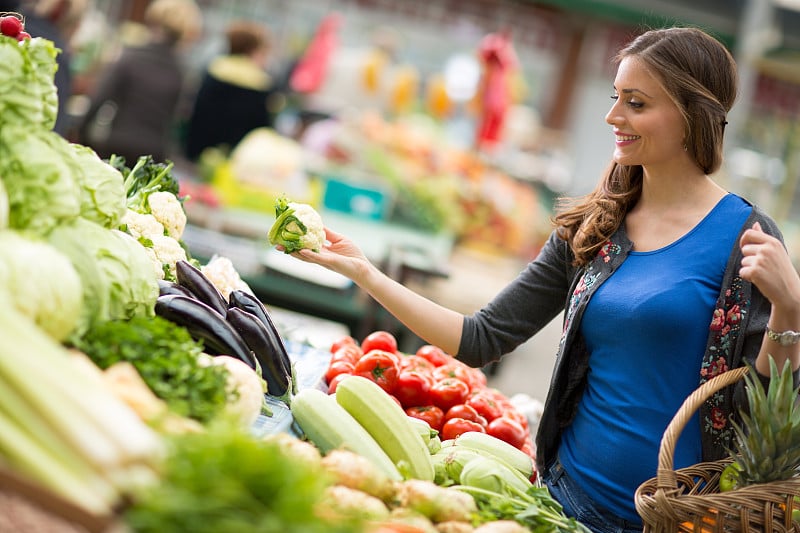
[{"x": 623, "y": 138}]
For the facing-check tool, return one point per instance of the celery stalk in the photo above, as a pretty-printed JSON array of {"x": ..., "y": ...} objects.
[
  {"x": 27, "y": 420},
  {"x": 86, "y": 414},
  {"x": 30, "y": 457}
]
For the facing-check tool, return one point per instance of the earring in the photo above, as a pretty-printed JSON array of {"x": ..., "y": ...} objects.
[{"x": 685, "y": 148}]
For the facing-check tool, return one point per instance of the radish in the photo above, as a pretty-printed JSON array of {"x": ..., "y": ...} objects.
[{"x": 10, "y": 26}]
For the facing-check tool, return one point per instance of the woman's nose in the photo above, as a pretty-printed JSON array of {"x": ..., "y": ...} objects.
[{"x": 613, "y": 117}]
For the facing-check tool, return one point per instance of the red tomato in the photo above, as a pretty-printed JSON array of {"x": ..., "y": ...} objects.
[
  {"x": 449, "y": 392},
  {"x": 456, "y": 426},
  {"x": 508, "y": 430},
  {"x": 429, "y": 413},
  {"x": 380, "y": 367},
  {"x": 486, "y": 406},
  {"x": 338, "y": 367},
  {"x": 455, "y": 369},
  {"x": 434, "y": 354},
  {"x": 415, "y": 362},
  {"x": 344, "y": 341},
  {"x": 335, "y": 382},
  {"x": 514, "y": 414},
  {"x": 466, "y": 412},
  {"x": 478, "y": 378},
  {"x": 413, "y": 388},
  {"x": 350, "y": 352},
  {"x": 379, "y": 340}
]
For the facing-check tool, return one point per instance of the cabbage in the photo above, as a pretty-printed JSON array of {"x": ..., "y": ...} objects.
[
  {"x": 102, "y": 188},
  {"x": 39, "y": 174},
  {"x": 27, "y": 73},
  {"x": 118, "y": 279},
  {"x": 41, "y": 283}
]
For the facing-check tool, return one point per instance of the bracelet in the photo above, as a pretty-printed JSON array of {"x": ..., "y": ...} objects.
[{"x": 784, "y": 338}]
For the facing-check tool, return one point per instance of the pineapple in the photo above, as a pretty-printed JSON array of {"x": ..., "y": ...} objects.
[{"x": 767, "y": 441}]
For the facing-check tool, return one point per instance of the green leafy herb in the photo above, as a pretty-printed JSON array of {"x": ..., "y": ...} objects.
[
  {"x": 535, "y": 509},
  {"x": 225, "y": 480},
  {"x": 166, "y": 357},
  {"x": 145, "y": 178}
]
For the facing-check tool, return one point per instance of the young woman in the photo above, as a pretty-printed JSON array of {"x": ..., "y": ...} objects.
[{"x": 665, "y": 280}]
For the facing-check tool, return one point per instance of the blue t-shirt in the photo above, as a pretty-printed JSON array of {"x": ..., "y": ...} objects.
[{"x": 646, "y": 329}]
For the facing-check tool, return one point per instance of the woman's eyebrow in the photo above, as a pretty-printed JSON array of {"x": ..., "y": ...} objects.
[{"x": 631, "y": 91}]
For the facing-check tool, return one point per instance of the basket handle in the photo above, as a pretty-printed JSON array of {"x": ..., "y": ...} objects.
[{"x": 665, "y": 476}]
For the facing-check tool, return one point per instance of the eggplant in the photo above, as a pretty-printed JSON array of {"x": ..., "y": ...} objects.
[
  {"x": 192, "y": 278},
  {"x": 170, "y": 287},
  {"x": 266, "y": 351},
  {"x": 250, "y": 303},
  {"x": 205, "y": 325}
]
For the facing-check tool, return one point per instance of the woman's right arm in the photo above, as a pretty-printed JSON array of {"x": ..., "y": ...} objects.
[{"x": 428, "y": 320}]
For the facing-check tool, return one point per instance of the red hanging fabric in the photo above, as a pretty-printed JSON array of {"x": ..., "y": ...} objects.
[
  {"x": 499, "y": 59},
  {"x": 309, "y": 74}
]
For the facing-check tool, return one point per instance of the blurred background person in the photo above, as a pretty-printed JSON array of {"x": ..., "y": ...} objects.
[
  {"x": 133, "y": 104},
  {"x": 236, "y": 94}
]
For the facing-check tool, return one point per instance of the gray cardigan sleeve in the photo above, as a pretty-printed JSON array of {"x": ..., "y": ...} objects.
[{"x": 521, "y": 309}]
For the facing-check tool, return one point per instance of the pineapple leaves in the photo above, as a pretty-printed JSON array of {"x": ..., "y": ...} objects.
[{"x": 767, "y": 438}]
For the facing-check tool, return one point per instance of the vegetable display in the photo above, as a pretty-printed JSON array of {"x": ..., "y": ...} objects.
[{"x": 132, "y": 377}]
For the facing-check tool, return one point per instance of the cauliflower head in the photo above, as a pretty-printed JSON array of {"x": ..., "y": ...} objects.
[
  {"x": 142, "y": 225},
  {"x": 223, "y": 274},
  {"x": 168, "y": 210},
  {"x": 164, "y": 253},
  {"x": 297, "y": 227}
]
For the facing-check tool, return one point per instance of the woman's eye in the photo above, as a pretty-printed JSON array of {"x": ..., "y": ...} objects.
[{"x": 630, "y": 103}]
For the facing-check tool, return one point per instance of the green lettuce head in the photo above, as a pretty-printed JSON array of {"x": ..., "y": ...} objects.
[
  {"x": 41, "y": 283},
  {"x": 28, "y": 94},
  {"x": 39, "y": 174},
  {"x": 102, "y": 188},
  {"x": 118, "y": 279}
]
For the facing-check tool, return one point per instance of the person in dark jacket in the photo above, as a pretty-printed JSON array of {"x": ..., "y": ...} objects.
[
  {"x": 133, "y": 106},
  {"x": 664, "y": 278},
  {"x": 236, "y": 94}
]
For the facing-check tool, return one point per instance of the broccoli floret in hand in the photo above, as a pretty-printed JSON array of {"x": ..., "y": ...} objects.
[{"x": 297, "y": 227}]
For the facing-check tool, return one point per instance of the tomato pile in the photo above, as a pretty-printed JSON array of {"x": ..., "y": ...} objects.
[
  {"x": 11, "y": 25},
  {"x": 430, "y": 385}
]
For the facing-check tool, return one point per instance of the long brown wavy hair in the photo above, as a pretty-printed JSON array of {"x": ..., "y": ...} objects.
[{"x": 699, "y": 74}]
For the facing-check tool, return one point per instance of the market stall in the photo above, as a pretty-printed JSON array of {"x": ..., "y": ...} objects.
[{"x": 145, "y": 386}]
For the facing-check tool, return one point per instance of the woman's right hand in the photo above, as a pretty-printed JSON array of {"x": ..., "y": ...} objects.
[{"x": 340, "y": 255}]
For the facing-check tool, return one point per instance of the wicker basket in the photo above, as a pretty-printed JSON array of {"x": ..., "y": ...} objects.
[{"x": 688, "y": 499}]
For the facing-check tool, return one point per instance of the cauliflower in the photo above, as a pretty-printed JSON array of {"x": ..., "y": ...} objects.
[
  {"x": 142, "y": 225},
  {"x": 221, "y": 272},
  {"x": 246, "y": 389},
  {"x": 164, "y": 253},
  {"x": 297, "y": 227},
  {"x": 168, "y": 210}
]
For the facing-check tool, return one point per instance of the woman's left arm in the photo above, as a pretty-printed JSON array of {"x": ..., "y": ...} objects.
[{"x": 767, "y": 265}]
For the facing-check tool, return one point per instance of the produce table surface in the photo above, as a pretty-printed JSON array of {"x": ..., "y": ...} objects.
[{"x": 310, "y": 364}]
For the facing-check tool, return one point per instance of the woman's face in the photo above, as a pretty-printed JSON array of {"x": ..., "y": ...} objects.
[{"x": 648, "y": 126}]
